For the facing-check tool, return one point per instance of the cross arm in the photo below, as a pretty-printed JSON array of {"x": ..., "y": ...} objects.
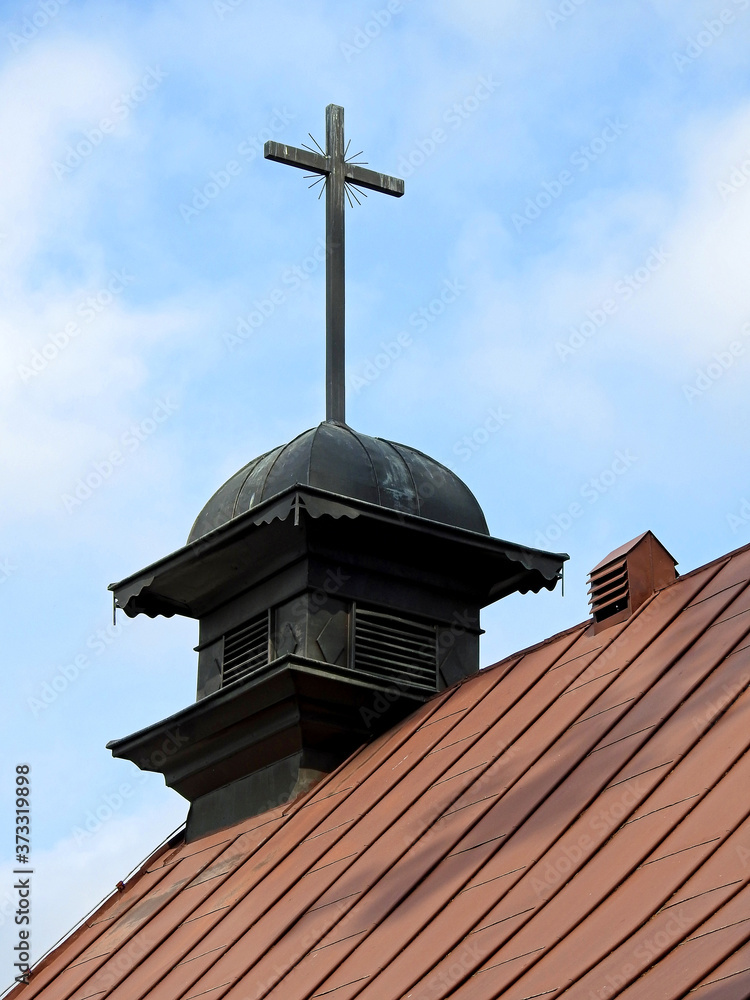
[
  {"x": 374, "y": 181},
  {"x": 305, "y": 159}
]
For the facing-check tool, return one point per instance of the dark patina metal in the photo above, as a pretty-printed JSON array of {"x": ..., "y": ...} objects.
[
  {"x": 340, "y": 460},
  {"x": 337, "y": 580},
  {"x": 339, "y": 174}
]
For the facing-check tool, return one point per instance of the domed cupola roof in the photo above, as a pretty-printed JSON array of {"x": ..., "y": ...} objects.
[
  {"x": 337, "y": 581},
  {"x": 337, "y": 459}
]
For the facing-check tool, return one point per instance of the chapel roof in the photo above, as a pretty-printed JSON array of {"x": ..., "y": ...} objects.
[{"x": 570, "y": 822}]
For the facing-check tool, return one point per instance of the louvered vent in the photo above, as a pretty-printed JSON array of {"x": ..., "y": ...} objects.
[
  {"x": 627, "y": 578},
  {"x": 609, "y": 591},
  {"x": 395, "y": 649},
  {"x": 245, "y": 649}
]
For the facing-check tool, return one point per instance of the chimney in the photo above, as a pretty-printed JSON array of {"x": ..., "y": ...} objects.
[{"x": 627, "y": 577}]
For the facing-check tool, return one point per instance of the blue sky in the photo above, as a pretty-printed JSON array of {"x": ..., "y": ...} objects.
[{"x": 558, "y": 309}]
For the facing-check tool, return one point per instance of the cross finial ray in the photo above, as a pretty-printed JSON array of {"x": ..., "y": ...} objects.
[{"x": 338, "y": 173}]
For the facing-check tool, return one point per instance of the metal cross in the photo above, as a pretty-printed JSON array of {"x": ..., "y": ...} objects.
[{"x": 336, "y": 172}]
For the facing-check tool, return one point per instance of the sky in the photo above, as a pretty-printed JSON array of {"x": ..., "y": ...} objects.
[{"x": 558, "y": 309}]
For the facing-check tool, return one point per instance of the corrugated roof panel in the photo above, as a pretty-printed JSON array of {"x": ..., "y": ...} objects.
[
  {"x": 323, "y": 834},
  {"x": 667, "y": 929},
  {"x": 112, "y": 938},
  {"x": 728, "y": 981},
  {"x": 82, "y": 938},
  {"x": 252, "y": 835},
  {"x": 574, "y": 934},
  {"x": 572, "y": 822},
  {"x": 446, "y": 928},
  {"x": 413, "y": 772},
  {"x": 510, "y": 857},
  {"x": 709, "y": 943}
]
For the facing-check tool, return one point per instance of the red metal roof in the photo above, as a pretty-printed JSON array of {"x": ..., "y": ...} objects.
[{"x": 574, "y": 821}]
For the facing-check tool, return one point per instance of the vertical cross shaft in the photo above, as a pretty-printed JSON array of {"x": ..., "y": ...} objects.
[
  {"x": 338, "y": 173},
  {"x": 335, "y": 268}
]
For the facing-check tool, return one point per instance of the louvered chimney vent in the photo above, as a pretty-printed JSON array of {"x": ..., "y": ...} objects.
[{"x": 621, "y": 583}]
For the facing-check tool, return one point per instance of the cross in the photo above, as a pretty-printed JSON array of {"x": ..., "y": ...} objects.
[{"x": 336, "y": 173}]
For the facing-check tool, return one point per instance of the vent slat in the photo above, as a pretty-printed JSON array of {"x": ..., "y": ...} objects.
[
  {"x": 424, "y": 648},
  {"x": 609, "y": 590},
  {"x": 393, "y": 621},
  {"x": 378, "y": 626},
  {"x": 255, "y": 657},
  {"x": 400, "y": 680},
  {"x": 394, "y": 665},
  {"x": 237, "y": 647},
  {"x": 395, "y": 649},
  {"x": 386, "y": 635},
  {"x": 392, "y": 654},
  {"x": 621, "y": 580},
  {"x": 250, "y": 628},
  {"x": 608, "y": 596},
  {"x": 609, "y": 570},
  {"x": 245, "y": 649}
]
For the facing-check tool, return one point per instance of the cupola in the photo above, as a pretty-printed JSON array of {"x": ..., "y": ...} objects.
[{"x": 337, "y": 581}]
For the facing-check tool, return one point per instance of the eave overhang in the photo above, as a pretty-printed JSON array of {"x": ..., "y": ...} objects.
[
  {"x": 203, "y": 574},
  {"x": 293, "y": 705}
]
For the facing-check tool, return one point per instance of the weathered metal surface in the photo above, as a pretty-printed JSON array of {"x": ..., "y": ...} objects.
[
  {"x": 337, "y": 174},
  {"x": 344, "y": 462},
  {"x": 434, "y": 559},
  {"x": 709, "y": 942},
  {"x": 571, "y": 822},
  {"x": 728, "y": 981}
]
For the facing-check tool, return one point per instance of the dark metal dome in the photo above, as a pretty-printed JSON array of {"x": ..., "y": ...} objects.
[{"x": 335, "y": 458}]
